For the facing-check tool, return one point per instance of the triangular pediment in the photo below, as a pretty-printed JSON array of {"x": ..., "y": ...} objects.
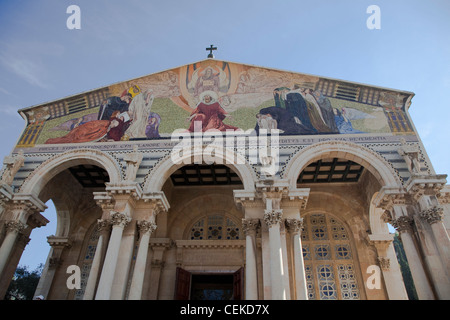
[{"x": 245, "y": 96}]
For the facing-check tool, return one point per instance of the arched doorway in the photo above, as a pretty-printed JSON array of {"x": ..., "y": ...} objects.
[{"x": 205, "y": 226}]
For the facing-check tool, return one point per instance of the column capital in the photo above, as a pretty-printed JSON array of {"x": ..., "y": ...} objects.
[
  {"x": 15, "y": 226},
  {"x": 273, "y": 217},
  {"x": 432, "y": 215},
  {"x": 403, "y": 224},
  {"x": 146, "y": 227},
  {"x": 294, "y": 226},
  {"x": 250, "y": 226},
  {"x": 119, "y": 219},
  {"x": 385, "y": 263}
]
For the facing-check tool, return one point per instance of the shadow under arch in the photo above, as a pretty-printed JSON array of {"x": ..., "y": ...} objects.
[
  {"x": 370, "y": 160},
  {"x": 34, "y": 183},
  {"x": 156, "y": 178}
]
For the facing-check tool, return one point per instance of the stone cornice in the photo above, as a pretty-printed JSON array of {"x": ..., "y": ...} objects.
[
  {"x": 419, "y": 185},
  {"x": 62, "y": 242},
  {"x": 158, "y": 199},
  {"x": 388, "y": 197}
]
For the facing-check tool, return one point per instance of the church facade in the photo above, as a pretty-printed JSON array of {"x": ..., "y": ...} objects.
[{"x": 219, "y": 180}]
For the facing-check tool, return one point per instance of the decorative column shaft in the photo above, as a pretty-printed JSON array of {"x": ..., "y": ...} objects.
[
  {"x": 104, "y": 228},
  {"x": 13, "y": 228},
  {"x": 273, "y": 219},
  {"x": 146, "y": 228},
  {"x": 295, "y": 227},
  {"x": 403, "y": 224},
  {"x": 118, "y": 221},
  {"x": 251, "y": 280}
]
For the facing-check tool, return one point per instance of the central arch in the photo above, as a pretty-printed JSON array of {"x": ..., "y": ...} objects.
[{"x": 155, "y": 180}]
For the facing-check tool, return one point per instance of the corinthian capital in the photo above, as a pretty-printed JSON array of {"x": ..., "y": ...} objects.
[
  {"x": 250, "y": 226},
  {"x": 146, "y": 226},
  {"x": 119, "y": 219},
  {"x": 402, "y": 224},
  {"x": 273, "y": 217},
  {"x": 294, "y": 225},
  {"x": 15, "y": 226},
  {"x": 432, "y": 215}
]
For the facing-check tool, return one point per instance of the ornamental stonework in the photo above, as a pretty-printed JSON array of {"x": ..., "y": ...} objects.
[
  {"x": 273, "y": 217},
  {"x": 432, "y": 215},
  {"x": 402, "y": 224},
  {"x": 294, "y": 225}
]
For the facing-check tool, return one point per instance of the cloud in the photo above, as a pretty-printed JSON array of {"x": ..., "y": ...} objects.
[
  {"x": 8, "y": 110},
  {"x": 26, "y": 60},
  {"x": 26, "y": 69}
]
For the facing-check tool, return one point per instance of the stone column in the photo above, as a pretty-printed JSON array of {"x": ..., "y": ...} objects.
[
  {"x": 433, "y": 216},
  {"x": 431, "y": 233},
  {"x": 273, "y": 217},
  {"x": 57, "y": 245},
  {"x": 146, "y": 228},
  {"x": 251, "y": 273},
  {"x": 118, "y": 221},
  {"x": 104, "y": 228},
  {"x": 13, "y": 229},
  {"x": 387, "y": 259},
  {"x": 438, "y": 260},
  {"x": 403, "y": 224},
  {"x": 295, "y": 227}
]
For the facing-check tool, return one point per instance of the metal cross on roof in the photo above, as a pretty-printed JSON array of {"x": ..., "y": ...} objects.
[{"x": 210, "y": 55}]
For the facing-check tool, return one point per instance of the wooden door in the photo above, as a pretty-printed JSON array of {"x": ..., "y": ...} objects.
[
  {"x": 182, "y": 284},
  {"x": 238, "y": 284}
]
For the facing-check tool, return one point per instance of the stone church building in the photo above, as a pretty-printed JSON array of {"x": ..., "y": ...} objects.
[{"x": 220, "y": 180}]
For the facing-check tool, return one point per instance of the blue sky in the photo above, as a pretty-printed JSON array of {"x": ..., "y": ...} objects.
[{"x": 42, "y": 60}]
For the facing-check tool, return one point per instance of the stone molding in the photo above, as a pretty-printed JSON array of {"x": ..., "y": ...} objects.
[{"x": 210, "y": 244}]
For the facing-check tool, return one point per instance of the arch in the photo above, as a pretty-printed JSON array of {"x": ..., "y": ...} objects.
[
  {"x": 377, "y": 225},
  {"x": 51, "y": 167},
  {"x": 328, "y": 242},
  {"x": 155, "y": 180},
  {"x": 379, "y": 167}
]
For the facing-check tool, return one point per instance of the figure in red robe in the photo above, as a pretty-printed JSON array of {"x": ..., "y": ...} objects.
[{"x": 210, "y": 113}]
